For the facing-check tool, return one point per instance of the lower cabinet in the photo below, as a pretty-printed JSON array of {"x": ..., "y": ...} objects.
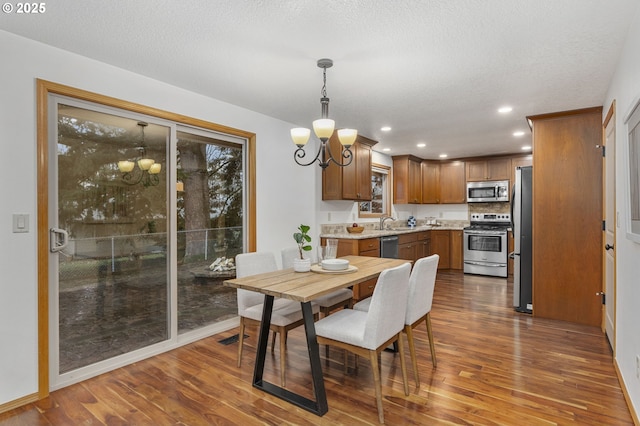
[
  {"x": 424, "y": 244},
  {"x": 408, "y": 246},
  {"x": 411, "y": 246},
  {"x": 456, "y": 250},
  {"x": 441, "y": 245}
]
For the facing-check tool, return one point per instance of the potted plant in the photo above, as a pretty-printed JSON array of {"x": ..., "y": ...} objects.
[{"x": 302, "y": 237}]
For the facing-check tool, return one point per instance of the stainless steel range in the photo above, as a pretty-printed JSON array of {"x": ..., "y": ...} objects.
[{"x": 485, "y": 244}]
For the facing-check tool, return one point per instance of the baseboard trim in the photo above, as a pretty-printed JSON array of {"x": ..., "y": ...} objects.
[
  {"x": 632, "y": 410},
  {"x": 8, "y": 406}
]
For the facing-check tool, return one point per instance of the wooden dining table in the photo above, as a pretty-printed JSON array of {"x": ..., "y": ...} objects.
[{"x": 304, "y": 287}]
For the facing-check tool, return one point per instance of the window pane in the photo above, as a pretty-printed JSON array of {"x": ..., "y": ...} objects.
[
  {"x": 112, "y": 276},
  {"x": 210, "y": 227},
  {"x": 379, "y": 194}
]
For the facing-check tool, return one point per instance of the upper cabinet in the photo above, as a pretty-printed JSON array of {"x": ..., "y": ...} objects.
[
  {"x": 525, "y": 160},
  {"x": 417, "y": 181},
  {"x": 489, "y": 169},
  {"x": 430, "y": 182},
  {"x": 453, "y": 188},
  {"x": 407, "y": 181},
  {"x": 352, "y": 182}
]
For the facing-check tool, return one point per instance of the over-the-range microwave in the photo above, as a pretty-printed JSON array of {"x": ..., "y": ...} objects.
[{"x": 488, "y": 191}]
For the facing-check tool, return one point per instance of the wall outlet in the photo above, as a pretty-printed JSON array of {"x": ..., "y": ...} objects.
[
  {"x": 329, "y": 217},
  {"x": 638, "y": 367}
]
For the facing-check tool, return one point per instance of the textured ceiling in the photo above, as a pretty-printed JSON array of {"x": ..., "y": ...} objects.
[{"x": 435, "y": 71}]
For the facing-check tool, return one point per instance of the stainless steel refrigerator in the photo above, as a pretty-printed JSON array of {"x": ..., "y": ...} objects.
[{"x": 521, "y": 208}]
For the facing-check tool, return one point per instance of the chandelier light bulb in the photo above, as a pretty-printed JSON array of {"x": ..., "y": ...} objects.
[
  {"x": 126, "y": 166},
  {"x": 300, "y": 136},
  {"x": 155, "y": 168},
  {"x": 347, "y": 137},
  {"x": 323, "y": 128},
  {"x": 145, "y": 163}
]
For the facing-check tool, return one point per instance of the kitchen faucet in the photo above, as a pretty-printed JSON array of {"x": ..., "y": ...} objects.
[{"x": 382, "y": 219}]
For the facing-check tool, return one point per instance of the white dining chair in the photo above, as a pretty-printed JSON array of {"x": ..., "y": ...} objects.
[
  {"x": 368, "y": 333},
  {"x": 328, "y": 303},
  {"x": 286, "y": 314},
  {"x": 421, "y": 286}
]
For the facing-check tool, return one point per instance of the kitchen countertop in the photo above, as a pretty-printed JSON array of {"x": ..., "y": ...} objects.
[{"x": 375, "y": 233}]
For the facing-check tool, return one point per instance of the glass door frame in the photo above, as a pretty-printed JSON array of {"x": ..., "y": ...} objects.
[{"x": 44, "y": 90}]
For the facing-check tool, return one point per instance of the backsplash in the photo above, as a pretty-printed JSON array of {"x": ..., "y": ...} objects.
[{"x": 489, "y": 208}]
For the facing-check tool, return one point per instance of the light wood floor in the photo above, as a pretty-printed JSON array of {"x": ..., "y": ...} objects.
[{"x": 495, "y": 367}]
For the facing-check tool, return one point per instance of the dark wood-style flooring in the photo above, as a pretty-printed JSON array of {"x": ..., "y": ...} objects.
[{"x": 495, "y": 367}]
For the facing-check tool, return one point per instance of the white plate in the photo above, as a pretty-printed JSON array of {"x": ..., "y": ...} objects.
[
  {"x": 335, "y": 264},
  {"x": 317, "y": 268}
]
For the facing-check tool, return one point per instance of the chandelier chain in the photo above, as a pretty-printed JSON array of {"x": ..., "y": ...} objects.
[{"x": 323, "y": 92}]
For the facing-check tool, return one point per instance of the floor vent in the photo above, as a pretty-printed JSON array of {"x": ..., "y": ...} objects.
[{"x": 231, "y": 339}]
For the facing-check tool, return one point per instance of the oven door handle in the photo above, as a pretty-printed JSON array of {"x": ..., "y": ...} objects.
[
  {"x": 493, "y": 265},
  {"x": 499, "y": 233}
]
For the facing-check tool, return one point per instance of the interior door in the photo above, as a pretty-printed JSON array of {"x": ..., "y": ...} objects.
[
  {"x": 610, "y": 226},
  {"x": 109, "y": 283}
]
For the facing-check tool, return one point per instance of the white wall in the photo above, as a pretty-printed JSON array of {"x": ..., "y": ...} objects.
[
  {"x": 624, "y": 89},
  {"x": 285, "y": 191}
]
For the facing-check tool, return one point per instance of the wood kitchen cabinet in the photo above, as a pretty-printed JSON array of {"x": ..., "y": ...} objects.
[
  {"x": 488, "y": 169},
  {"x": 352, "y": 182},
  {"x": 567, "y": 216},
  {"x": 364, "y": 247},
  {"x": 441, "y": 245},
  {"x": 456, "y": 249},
  {"x": 430, "y": 174},
  {"x": 417, "y": 181},
  {"x": 424, "y": 244},
  {"x": 407, "y": 179},
  {"x": 526, "y": 160},
  {"x": 408, "y": 246},
  {"x": 453, "y": 186}
]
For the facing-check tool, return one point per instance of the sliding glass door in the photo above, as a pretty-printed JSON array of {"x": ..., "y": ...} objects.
[{"x": 146, "y": 217}]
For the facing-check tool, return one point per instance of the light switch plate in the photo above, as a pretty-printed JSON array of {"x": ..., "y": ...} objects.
[{"x": 20, "y": 223}]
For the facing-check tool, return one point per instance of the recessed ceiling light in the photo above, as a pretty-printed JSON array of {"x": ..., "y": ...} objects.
[
  {"x": 386, "y": 149},
  {"x": 518, "y": 133},
  {"x": 505, "y": 109},
  {"x": 443, "y": 155},
  {"x": 526, "y": 148},
  {"x": 385, "y": 128},
  {"x": 421, "y": 145}
]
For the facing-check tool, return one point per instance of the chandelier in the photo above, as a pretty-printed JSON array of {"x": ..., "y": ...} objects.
[
  {"x": 147, "y": 171},
  {"x": 323, "y": 128}
]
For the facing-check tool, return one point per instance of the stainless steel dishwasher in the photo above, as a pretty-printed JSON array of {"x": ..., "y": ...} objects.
[{"x": 389, "y": 247}]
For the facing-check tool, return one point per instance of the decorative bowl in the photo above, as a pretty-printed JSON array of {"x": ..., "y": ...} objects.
[
  {"x": 355, "y": 229},
  {"x": 335, "y": 264}
]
